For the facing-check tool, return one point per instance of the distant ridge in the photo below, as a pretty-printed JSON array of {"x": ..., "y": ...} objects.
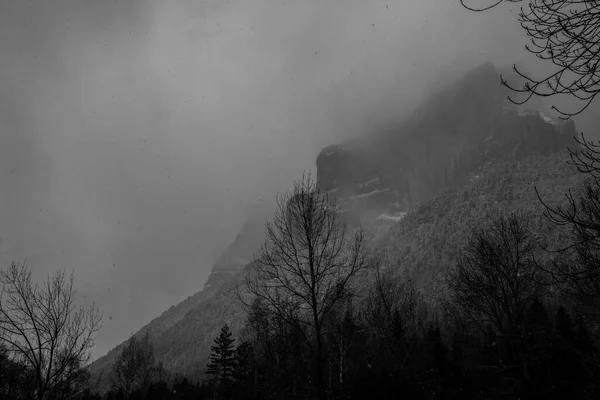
[{"x": 464, "y": 132}]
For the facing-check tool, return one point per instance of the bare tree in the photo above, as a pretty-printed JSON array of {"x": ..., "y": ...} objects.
[
  {"x": 306, "y": 265},
  {"x": 576, "y": 269},
  {"x": 280, "y": 358},
  {"x": 42, "y": 328},
  {"x": 566, "y": 33},
  {"x": 396, "y": 316},
  {"x": 76, "y": 382},
  {"x": 135, "y": 366},
  {"x": 393, "y": 304},
  {"x": 494, "y": 281}
]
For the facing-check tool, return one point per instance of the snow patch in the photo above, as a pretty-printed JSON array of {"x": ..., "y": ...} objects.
[
  {"x": 549, "y": 120},
  {"x": 374, "y": 192},
  {"x": 367, "y": 183},
  {"x": 392, "y": 217},
  {"x": 545, "y": 117},
  {"x": 524, "y": 113}
]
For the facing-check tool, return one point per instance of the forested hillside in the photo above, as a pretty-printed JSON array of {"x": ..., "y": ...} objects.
[
  {"x": 427, "y": 240},
  {"x": 418, "y": 191}
]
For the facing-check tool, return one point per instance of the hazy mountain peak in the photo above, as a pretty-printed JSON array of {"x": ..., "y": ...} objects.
[{"x": 378, "y": 179}]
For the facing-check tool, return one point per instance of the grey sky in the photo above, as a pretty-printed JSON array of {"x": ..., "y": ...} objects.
[{"x": 136, "y": 135}]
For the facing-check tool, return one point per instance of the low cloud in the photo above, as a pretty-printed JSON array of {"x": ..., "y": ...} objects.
[{"x": 136, "y": 136}]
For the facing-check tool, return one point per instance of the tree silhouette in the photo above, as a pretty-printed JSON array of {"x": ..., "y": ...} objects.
[
  {"x": 15, "y": 380},
  {"x": 222, "y": 359},
  {"x": 134, "y": 367},
  {"x": 244, "y": 370},
  {"x": 42, "y": 328},
  {"x": 281, "y": 364},
  {"x": 493, "y": 283},
  {"x": 395, "y": 315},
  {"x": 306, "y": 265},
  {"x": 576, "y": 269},
  {"x": 567, "y": 34}
]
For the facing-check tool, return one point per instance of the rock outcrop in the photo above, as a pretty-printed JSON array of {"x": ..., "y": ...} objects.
[
  {"x": 453, "y": 133},
  {"x": 378, "y": 179}
]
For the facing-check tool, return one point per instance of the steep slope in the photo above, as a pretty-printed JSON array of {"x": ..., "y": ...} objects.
[
  {"x": 465, "y": 151},
  {"x": 237, "y": 255},
  {"x": 240, "y": 252},
  {"x": 450, "y": 135},
  {"x": 426, "y": 241}
]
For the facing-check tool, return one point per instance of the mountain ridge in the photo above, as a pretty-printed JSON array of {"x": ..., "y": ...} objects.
[
  {"x": 380, "y": 179},
  {"x": 450, "y": 134}
]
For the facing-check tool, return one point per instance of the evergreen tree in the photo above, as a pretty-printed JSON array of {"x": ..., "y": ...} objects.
[{"x": 222, "y": 359}]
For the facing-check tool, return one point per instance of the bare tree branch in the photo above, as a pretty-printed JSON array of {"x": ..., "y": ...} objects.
[
  {"x": 494, "y": 280},
  {"x": 567, "y": 34},
  {"x": 42, "y": 328},
  {"x": 135, "y": 367},
  {"x": 307, "y": 263},
  {"x": 575, "y": 269}
]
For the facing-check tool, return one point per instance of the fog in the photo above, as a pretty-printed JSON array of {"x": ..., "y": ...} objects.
[{"x": 136, "y": 136}]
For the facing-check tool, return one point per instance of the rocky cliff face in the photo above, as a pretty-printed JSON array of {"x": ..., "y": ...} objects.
[
  {"x": 377, "y": 178},
  {"x": 452, "y": 134}
]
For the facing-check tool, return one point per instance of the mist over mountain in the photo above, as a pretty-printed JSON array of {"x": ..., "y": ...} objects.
[
  {"x": 446, "y": 153},
  {"x": 450, "y": 134},
  {"x": 143, "y": 144},
  {"x": 137, "y": 136}
]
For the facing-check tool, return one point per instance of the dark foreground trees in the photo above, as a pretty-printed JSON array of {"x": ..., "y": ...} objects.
[
  {"x": 306, "y": 266},
  {"x": 394, "y": 322},
  {"x": 222, "y": 361},
  {"x": 136, "y": 369},
  {"x": 15, "y": 379},
  {"x": 502, "y": 336},
  {"x": 514, "y": 340},
  {"x": 495, "y": 282},
  {"x": 565, "y": 33},
  {"x": 576, "y": 268},
  {"x": 43, "y": 331},
  {"x": 495, "y": 296}
]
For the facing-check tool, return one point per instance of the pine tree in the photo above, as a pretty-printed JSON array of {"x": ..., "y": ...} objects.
[{"x": 222, "y": 359}]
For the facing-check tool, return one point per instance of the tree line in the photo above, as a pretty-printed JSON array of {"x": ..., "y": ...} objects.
[
  {"x": 509, "y": 322},
  {"x": 325, "y": 319},
  {"x": 516, "y": 319}
]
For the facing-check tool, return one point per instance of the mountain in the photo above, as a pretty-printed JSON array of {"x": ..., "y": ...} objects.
[
  {"x": 425, "y": 243},
  {"x": 169, "y": 324},
  {"x": 417, "y": 185},
  {"x": 240, "y": 252},
  {"x": 451, "y": 134}
]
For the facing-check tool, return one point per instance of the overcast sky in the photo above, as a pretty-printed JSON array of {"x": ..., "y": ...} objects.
[{"x": 135, "y": 136}]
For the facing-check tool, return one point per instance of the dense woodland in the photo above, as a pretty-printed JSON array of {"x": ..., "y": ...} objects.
[
  {"x": 513, "y": 315},
  {"x": 488, "y": 291},
  {"x": 510, "y": 312}
]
